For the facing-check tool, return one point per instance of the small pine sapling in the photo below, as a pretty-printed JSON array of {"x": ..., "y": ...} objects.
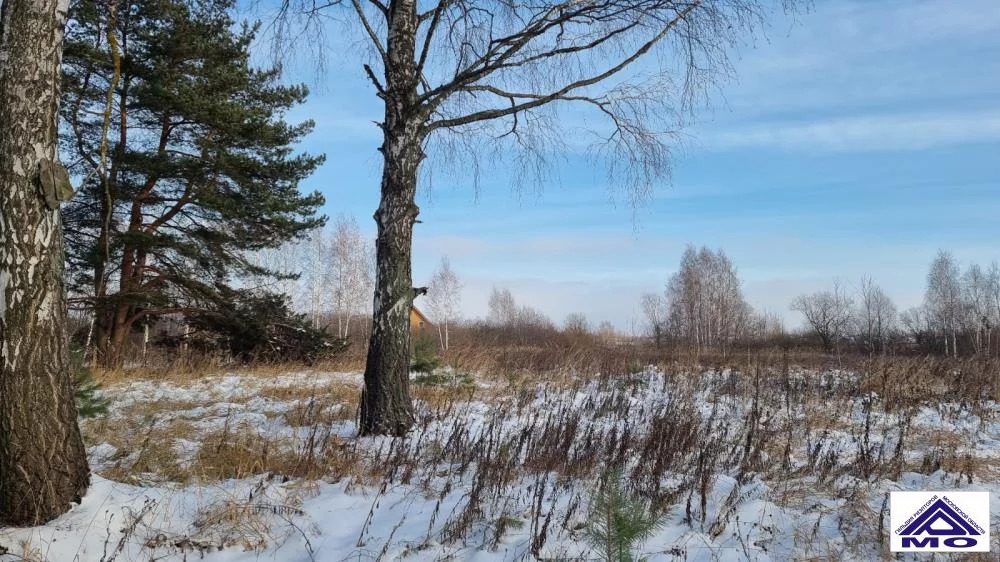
[
  {"x": 424, "y": 358},
  {"x": 89, "y": 403},
  {"x": 619, "y": 521}
]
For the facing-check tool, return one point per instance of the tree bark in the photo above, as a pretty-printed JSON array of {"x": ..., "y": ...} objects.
[
  {"x": 386, "y": 408},
  {"x": 385, "y": 401},
  {"x": 43, "y": 465}
]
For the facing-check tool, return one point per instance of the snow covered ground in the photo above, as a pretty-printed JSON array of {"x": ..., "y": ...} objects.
[{"x": 780, "y": 466}]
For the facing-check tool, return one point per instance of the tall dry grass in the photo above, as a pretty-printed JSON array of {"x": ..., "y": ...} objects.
[{"x": 527, "y": 450}]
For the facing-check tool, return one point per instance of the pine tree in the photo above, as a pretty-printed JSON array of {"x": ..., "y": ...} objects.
[
  {"x": 619, "y": 521},
  {"x": 89, "y": 402},
  {"x": 200, "y": 166}
]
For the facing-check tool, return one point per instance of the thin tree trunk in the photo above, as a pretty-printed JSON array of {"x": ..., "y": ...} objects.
[
  {"x": 824, "y": 342},
  {"x": 385, "y": 401},
  {"x": 98, "y": 333},
  {"x": 113, "y": 341},
  {"x": 43, "y": 464}
]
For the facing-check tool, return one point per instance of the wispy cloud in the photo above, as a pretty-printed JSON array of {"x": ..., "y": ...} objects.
[
  {"x": 851, "y": 56},
  {"x": 860, "y": 134}
]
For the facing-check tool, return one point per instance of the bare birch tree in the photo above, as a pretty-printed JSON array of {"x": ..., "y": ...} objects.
[
  {"x": 502, "y": 308},
  {"x": 993, "y": 297},
  {"x": 943, "y": 300},
  {"x": 486, "y": 77},
  {"x": 876, "y": 315},
  {"x": 828, "y": 314},
  {"x": 978, "y": 309},
  {"x": 316, "y": 275},
  {"x": 654, "y": 309},
  {"x": 514, "y": 322},
  {"x": 445, "y": 299},
  {"x": 286, "y": 262},
  {"x": 705, "y": 300},
  {"x": 326, "y": 272},
  {"x": 43, "y": 464},
  {"x": 351, "y": 272}
]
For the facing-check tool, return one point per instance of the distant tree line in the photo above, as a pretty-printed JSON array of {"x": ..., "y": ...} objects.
[
  {"x": 958, "y": 316},
  {"x": 703, "y": 307},
  {"x": 960, "y": 312}
]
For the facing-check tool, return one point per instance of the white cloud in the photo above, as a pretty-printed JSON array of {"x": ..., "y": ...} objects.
[
  {"x": 849, "y": 54},
  {"x": 858, "y": 134},
  {"x": 576, "y": 245}
]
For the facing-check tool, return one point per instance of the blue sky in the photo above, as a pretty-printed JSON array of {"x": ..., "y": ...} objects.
[{"x": 859, "y": 138}]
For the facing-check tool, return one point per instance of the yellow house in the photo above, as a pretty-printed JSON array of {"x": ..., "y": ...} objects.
[{"x": 418, "y": 321}]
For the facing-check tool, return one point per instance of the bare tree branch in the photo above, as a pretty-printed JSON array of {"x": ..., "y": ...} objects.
[
  {"x": 538, "y": 100},
  {"x": 376, "y": 42}
]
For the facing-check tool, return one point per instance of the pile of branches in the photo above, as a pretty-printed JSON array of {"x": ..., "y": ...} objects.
[{"x": 259, "y": 327}]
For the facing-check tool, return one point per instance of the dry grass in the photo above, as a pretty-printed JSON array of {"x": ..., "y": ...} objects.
[
  {"x": 24, "y": 551},
  {"x": 170, "y": 439},
  {"x": 144, "y": 451},
  {"x": 753, "y": 419},
  {"x": 195, "y": 367},
  {"x": 339, "y": 398},
  {"x": 233, "y": 453},
  {"x": 243, "y": 453}
]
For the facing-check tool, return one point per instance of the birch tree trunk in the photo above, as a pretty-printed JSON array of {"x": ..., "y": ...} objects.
[
  {"x": 43, "y": 464},
  {"x": 385, "y": 401}
]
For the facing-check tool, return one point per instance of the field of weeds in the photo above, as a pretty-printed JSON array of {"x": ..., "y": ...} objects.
[{"x": 759, "y": 462}]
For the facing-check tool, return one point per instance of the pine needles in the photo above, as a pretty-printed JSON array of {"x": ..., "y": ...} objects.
[
  {"x": 89, "y": 403},
  {"x": 619, "y": 521}
]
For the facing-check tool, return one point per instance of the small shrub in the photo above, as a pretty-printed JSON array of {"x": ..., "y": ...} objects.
[
  {"x": 89, "y": 403},
  {"x": 619, "y": 521},
  {"x": 424, "y": 358}
]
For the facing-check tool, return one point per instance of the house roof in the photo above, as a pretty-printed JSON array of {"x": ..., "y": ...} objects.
[{"x": 423, "y": 318}]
